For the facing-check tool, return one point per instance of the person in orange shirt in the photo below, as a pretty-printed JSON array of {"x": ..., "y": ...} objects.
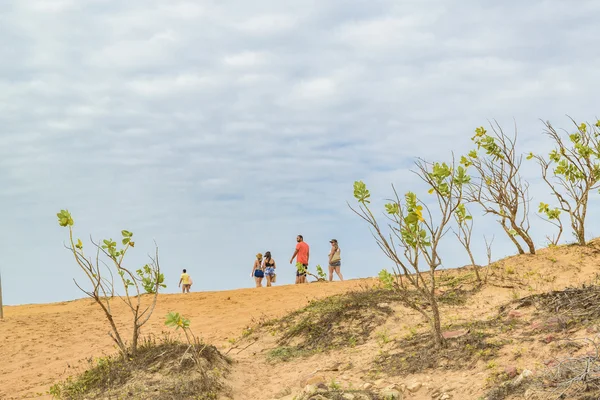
[{"x": 303, "y": 253}]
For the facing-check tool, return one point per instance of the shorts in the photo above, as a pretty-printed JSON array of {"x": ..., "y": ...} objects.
[
  {"x": 258, "y": 273},
  {"x": 186, "y": 286},
  {"x": 304, "y": 273},
  {"x": 270, "y": 271},
  {"x": 334, "y": 264}
]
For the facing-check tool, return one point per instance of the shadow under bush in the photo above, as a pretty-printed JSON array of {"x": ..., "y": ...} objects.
[
  {"x": 339, "y": 321},
  {"x": 164, "y": 369},
  {"x": 416, "y": 353}
]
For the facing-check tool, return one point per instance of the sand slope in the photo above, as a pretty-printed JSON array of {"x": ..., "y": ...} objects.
[{"x": 40, "y": 344}]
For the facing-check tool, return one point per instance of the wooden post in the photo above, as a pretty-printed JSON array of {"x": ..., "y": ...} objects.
[{"x": 1, "y": 310}]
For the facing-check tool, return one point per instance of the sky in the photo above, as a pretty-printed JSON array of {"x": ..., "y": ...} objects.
[{"x": 224, "y": 128}]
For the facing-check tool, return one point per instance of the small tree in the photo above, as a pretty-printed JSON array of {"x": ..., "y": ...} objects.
[
  {"x": 320, "y": 273},
  {"x": 551, "y": 215},
  {"x": 177, "y": 321},
  {"x": 576, "y": 172},
  {"x": 498, "y": 186},
  {"x": 148, "y": 277},
  {"x": 414, "y": 238},
  {"x": 464, "y": 223}
]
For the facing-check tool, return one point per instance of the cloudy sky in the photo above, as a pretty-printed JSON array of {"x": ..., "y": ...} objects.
[{"x": 225, "y": 128}]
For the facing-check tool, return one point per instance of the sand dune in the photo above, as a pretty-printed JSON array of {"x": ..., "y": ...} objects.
[
  {"x": 45, "y": 343},
  {"x": 41, "y": 344}
]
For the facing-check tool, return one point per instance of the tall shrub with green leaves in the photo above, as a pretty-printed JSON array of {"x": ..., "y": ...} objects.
[
  {"x": 498, "y": 186},
  {"x": 413, "y": 235},
  {"x": 575, "y": 173},
  {"x": 99, "y": 273}
]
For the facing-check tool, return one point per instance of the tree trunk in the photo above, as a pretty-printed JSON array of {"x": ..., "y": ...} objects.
[
  {"x": 475, "y": 266},
  {"x": 530, "y": 244},
  {"x": 580, "y": 233},
  {"x": 512, "y": 238},
  {"x": 436, "y": 325},
  {"x": 580, "y": 230},
  {"x": 525, "y": 236},
  {"x": 134, "y": 339},
  {"x": 111, "y": 321}
]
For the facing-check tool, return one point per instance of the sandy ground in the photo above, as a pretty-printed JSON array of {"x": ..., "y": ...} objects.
[{"x": 41, "y": 344}]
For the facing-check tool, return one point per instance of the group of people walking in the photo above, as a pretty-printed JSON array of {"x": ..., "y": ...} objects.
[{"x": 265, "y": 267}]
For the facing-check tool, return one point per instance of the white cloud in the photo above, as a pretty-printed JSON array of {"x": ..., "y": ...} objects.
[
  {"x": 267, "y": 24},
  {"x": 224, "y": 128},
  {"x": 168, "y": 85},
  {"x": 315, "y": 89},
  {"x": 51, "y": 6},
  {"x": 246, "y": 59}
]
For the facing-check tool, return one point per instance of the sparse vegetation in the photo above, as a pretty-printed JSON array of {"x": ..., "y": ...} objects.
[
  {"x": 320, "y": 276},
  {"x": 464, "y": 222},
  {"x": 574, "y": 377},
  {"x": 414, "y": 353},
  {"x": 575, "y": 174},
  {"x": 103, "y": 288},
  {"x": 580, "y": 303},
  {"x": 334, "y": 322},
  {"x": 161, "y": 369},
  {"x": 340, "y": 394},
  {"x": 415, "y": 236},
  {"x": 498, "y": 186}
]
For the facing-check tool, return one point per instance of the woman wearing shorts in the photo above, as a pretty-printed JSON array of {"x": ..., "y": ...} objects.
[
  {"x": 269, "y": 268},
  {"x": 335, "y": 260},
  {"x": 257, "y": 270}
]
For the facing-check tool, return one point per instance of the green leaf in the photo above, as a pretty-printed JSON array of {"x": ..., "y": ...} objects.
[
  {"x": 361, "y": 193},
  {"x": 64, "y": 218},
  {"x": 465, "y": 161},
  {"x": 387, "y": 279},
  {"x": 126, "y": 240},
  {"x": 175, "y": 320},
  {"x": 126, "y": 233},
  {"x": 392, "y": 208}
]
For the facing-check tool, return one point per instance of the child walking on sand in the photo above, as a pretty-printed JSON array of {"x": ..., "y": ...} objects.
[{"x": 186, "y": 281}]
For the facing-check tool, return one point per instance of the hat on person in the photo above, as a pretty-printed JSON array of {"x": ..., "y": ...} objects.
[
  {"x": 259, "y": 255},
  {"x": 333, "y": 241}
]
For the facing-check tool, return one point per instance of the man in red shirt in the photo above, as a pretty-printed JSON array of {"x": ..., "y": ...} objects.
[{"x": 303, "y": 252}]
